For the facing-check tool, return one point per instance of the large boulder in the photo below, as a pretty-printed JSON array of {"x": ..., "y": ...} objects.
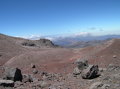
[
  {"x": 81, "y": 63},
  {"x": 90, "y": 72},
  {"x": 12, "y": 74},
  {"x": 6, "y": 83}
]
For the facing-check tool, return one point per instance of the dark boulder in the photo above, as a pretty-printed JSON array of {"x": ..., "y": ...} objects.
[
  {"x": 90, "y": 72},
  {"x": 12, "y": 74}
]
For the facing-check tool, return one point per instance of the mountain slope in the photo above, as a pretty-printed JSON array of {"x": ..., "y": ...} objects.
[
  {"x": 9, "y": 48},
  {"x": 109, "y": 55},
  {"x": 12, "y": 46},
  {"x": 103, "y": 54}
]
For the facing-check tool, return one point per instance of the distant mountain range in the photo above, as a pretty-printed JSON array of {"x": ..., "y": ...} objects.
[
  {"x": 77, "y": 40},
  {"x": 67, "y": 41}
]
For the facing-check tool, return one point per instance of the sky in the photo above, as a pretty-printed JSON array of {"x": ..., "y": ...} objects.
[{"x": 59, "y": 17}]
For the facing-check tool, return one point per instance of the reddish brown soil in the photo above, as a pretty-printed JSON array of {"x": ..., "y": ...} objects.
[{"x": 53, "y": 60}]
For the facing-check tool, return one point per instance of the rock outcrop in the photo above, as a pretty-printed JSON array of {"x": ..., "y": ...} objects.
[{"x": 38, "y": 43}]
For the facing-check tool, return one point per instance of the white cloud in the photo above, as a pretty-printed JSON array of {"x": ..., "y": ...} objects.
[
  {"x": 50, "y": 38},
  {"x": 37, "y": 37},
  {"x": 82, "y": 34},
  {"x": 32, "y": 37}
]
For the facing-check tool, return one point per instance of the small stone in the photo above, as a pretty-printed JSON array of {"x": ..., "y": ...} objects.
[
  {"x": 105, "y": 86},
  {"x": 114, "y": 56},
  {"x": 35, "y": 71},
  {"x": 42, "y": 84},
  {"x": 76, "y": 71},
  {"x": 33, "y": 66}
]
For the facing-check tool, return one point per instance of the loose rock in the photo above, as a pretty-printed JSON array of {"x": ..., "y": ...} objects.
[
  {"x": 76, "y": 71},
  {"x": 91, "y": 72},
  {"x": 114, "y": 56},
  {"x": 33, "y": 66},
  {"x": 81, "y": 63},
  {"x": 27, "y": 78},
  {"x": 7, "y": 83},
  {"x": 35, "y": 71}
]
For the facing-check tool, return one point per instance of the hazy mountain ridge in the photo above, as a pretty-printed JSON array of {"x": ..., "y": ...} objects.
[
  {"x": 74, "y": 39},
  {"x": 82, "y": 44},
  {"x": 67, "y": 41}
]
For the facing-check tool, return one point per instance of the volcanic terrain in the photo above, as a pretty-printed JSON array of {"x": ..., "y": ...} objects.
[{"x": 46, "y": 56}]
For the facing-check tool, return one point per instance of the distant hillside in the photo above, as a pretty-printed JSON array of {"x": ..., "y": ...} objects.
[
  {"x": 67, "y": 41},
  {"x": 12, "y": 46},
  {"x": 82, "y": 44},
  {"x": 38, "y": 43},
  {"x": 109, "y": 53}
]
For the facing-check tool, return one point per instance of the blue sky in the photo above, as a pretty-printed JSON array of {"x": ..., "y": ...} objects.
[{"x": 55, "y": 17}]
